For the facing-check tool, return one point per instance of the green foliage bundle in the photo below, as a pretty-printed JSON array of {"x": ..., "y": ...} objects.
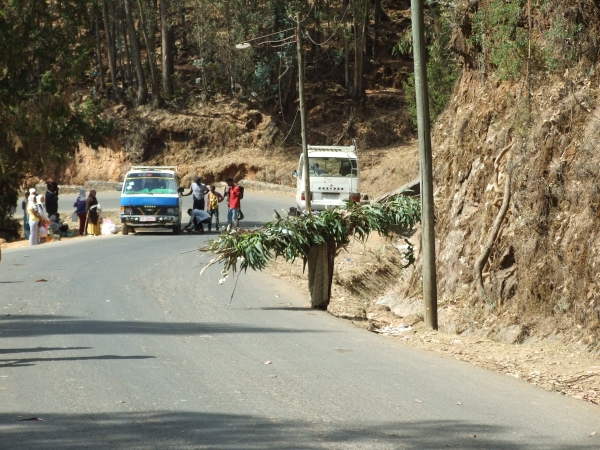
[{"x": 292, "y": 237}]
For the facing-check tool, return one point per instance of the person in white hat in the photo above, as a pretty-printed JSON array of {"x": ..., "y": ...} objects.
[{"x": 34, "y": 218}]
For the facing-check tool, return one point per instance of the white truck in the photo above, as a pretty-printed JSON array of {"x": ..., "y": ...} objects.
[{"x": 333, "y": 174}]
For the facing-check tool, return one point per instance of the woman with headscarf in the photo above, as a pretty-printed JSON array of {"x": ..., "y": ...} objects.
[
  {"x": 81, "y": 211},
  {"x": 40, "y": 206},
  {"x": 93, "y": 214},
  {"x": 34, "y": 219}
]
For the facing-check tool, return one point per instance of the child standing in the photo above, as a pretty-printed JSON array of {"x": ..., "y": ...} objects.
[{"x": 214, "y": 198}]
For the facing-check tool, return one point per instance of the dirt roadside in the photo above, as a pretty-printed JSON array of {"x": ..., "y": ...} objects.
[
  {"x": 113, "y": 216},
  {"x": 553, "y": 366},
  {"x": 365, "y": 281}
]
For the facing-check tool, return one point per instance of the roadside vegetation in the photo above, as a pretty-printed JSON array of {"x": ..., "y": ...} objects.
[{"x": 316, "y": 239}]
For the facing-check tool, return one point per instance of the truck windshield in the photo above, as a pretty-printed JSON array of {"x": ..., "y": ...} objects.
[
  {"x": 150, "y": 183},
  {"x": 332, "y": 167}
]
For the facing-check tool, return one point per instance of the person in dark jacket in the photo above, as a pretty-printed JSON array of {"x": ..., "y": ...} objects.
[
  {"x": 52, "y": 198},
  {"x": 93, "y": 214},
  {"x": 25, "y": 216},
  {"x": 81, "y": 210}
]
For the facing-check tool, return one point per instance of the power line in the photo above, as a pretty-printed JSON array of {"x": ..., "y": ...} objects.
[
  {"x": 307, "y": 15},
  {"x": 291, "y": 129},
  {"x": 334, "y": 32}
]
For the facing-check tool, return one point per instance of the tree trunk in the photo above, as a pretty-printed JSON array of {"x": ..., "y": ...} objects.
[
  {"x": 167, "y": 49},
  {"x": 377, "y": 20},
  {"x": 119, "y": 29},
  {"x": 183, "y": 33},
  {"x": 320, "y": 274},
  {"x": 142, "y": 94},
  {"x": 359, "y": 11},
  {"x": 102, "y": 86},
  {"x": 365, "y": 31},
  {"x": 156, "y": 98},
  {"x": 110, "y": 48},
  {"x": 346, "y": 56},
  {"x": 128, "y": 68},
  {"x": 317, "y": 27}
]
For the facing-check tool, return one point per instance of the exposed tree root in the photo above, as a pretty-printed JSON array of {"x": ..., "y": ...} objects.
[{"x": 487, "y": 248}]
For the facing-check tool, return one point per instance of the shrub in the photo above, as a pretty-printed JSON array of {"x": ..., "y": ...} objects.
[{"x": 498, "y": 31}]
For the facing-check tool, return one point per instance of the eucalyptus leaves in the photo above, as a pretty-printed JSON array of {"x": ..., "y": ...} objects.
[{"x": 294, "y": 237}]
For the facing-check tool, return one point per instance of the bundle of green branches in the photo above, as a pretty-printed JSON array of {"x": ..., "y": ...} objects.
[{"x": 292, "y": 237}]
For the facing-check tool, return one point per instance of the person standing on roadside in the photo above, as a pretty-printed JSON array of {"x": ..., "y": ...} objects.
[
  {"x": 199, "y": 190},
  {"x": 52, "y": 198},
  {"x": 25, "y": 216},
  {"x": 81, "y": 210},
  {"x": 40, "y": 207},
  {"x": 214, "y": 198},
  {"x": 233, "y": 192},
  {"x": 40, "y": 204},
  {"x": 93, "y": 214},
  {"x": 34, "y": 218}
]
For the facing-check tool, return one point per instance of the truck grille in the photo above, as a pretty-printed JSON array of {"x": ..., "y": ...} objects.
[{"x": 149, "y": 210}]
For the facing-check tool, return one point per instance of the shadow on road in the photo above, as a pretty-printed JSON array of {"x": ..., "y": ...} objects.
[
  {"x": 24, "y": 362},
  {"x": 23, "y": 326},
  {"x": 40, "y": 349},
  {"x": 183, "y": 430},
  {"x": 285, "y": 308}
]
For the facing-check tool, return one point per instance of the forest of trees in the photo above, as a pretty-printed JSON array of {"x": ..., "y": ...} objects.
[
  {"x": 62, "y": 61},
  {"x": 127, "y": 49}
]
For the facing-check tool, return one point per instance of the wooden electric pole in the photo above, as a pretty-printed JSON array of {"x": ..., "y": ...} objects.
[
  {"x": 307, "y": 193},
  {"x": 424, "y": 132}
]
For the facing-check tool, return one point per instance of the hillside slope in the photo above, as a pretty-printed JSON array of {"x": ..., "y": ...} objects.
[{"x": 541, "y": 131}]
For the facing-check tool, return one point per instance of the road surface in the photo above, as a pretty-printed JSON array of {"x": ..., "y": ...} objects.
[{"x": 126, "y": 346}]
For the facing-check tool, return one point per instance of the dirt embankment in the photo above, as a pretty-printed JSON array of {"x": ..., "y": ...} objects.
[{"x": 541, "y": 278}]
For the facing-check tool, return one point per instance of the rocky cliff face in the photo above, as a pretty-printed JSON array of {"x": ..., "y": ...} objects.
[{"x": 543, "y": 131}]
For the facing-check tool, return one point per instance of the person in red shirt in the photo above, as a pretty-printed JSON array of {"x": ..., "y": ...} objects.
[{"x": 234, "y": 195}]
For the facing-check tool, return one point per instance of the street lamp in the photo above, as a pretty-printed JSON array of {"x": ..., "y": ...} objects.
[{"x": 287, "y": 40}]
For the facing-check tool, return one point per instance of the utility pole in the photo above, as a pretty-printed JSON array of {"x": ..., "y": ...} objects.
[
  {"x": 307, "y": 193},
  {"x": 424, "y": 132}
]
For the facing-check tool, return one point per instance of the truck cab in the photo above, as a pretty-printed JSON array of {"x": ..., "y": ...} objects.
[
  {"x": 333, "y": 176},
  {"x": 151, "y": 198}
]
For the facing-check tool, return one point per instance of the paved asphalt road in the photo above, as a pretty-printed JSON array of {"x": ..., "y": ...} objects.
[{"x": 126, "y": 346}]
